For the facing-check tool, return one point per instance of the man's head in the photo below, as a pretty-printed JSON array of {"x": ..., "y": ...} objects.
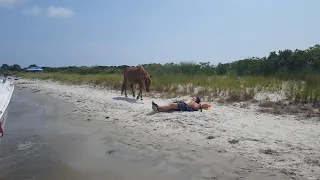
[{"x": 197, "y": 100}]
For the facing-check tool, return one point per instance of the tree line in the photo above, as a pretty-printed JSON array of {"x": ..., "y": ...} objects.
[{"x": 287, "y": 63}]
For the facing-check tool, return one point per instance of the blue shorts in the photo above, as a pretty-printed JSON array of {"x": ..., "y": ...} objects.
[{"x": 183, "y": 107}]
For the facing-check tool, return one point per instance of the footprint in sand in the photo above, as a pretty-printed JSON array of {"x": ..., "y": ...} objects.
[{"x": 24, "y": 146}]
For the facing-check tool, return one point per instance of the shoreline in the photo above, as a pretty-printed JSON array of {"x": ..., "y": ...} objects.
[{"x": 285, "y": 142}]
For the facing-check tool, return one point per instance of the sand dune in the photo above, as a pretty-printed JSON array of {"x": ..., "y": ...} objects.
[{"x": 285, "y": 142}]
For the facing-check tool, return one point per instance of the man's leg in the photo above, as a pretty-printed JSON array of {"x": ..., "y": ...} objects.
[{"x": 164, "y": 108}]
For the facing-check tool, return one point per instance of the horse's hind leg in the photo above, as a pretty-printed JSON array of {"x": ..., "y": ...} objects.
[
  {"x": 125, "y": 91},
  {"x": 131, "y": 85},
  {"x": 124, "y": 87}
]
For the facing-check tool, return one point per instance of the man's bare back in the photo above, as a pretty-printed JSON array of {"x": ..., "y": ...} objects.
[{"x": 191, "y": 103}]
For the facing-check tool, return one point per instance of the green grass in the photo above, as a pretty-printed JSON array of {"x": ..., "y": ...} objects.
[
  {"x": 231, "y": 88},
  {"x": 94, "y": 79}
]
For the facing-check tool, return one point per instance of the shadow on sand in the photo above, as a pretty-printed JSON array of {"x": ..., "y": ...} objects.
[
  {"x": 173, "y": 111},
  {"x": 151, "y": 113},
  {"x": 125, "y": 99}
]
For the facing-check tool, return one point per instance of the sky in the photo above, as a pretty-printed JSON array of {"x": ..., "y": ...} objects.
[{"x": 132, "y": 32}]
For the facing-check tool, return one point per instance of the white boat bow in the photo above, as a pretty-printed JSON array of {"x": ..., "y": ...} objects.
[{"x": 6, "y": 91}]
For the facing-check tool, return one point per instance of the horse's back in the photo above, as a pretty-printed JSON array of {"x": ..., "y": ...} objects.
[
  {"x": 135, "y": 70},
  {"x": 132, "y": 74}
]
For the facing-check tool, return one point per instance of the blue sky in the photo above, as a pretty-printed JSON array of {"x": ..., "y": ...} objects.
[{"x": 105, "y": 32}]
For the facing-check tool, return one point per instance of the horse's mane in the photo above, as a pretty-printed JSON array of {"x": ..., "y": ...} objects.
[{"x": 143, "y": 70}]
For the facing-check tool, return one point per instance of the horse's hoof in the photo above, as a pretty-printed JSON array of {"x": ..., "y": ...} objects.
[{"x": 141, "y": 99}]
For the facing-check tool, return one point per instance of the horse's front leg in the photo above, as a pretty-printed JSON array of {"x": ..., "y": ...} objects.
[
  {"x": 131, "y": 85},
  {"x": 140, "y": 93}
]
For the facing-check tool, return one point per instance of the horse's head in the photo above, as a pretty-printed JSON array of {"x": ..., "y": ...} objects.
[{"x": 147, "y": 82}]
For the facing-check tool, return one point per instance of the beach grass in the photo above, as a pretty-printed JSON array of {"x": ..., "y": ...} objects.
[{"x": 232, "y": 88}]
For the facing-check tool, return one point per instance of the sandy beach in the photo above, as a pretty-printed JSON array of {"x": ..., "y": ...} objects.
[{"x": 283, "y": 146}]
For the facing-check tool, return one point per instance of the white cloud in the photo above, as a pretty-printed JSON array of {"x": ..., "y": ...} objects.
[
  {"x": 60, "y": 12},
  {"x": 35, "y": 10},
  {"x": 11, "y": 3}
]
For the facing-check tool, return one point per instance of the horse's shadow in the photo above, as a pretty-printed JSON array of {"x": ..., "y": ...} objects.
[{"x": 125, "y": 99}]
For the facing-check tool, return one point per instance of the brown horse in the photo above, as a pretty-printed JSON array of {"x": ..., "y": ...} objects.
[{"x": 136, "y": 75}]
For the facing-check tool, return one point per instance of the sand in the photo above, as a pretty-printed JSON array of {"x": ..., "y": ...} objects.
[{"x": 286, "y": 143}]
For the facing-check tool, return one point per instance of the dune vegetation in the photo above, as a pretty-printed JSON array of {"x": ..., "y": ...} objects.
[{"x": 291, "y": 74}]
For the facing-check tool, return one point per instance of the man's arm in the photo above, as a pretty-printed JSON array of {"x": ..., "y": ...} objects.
[
  {"x": 196, "y": 106},
  {"x": 200, "y": 106}
]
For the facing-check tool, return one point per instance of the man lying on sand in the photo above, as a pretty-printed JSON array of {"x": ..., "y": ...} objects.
[{"x": 190, "y": 105}]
